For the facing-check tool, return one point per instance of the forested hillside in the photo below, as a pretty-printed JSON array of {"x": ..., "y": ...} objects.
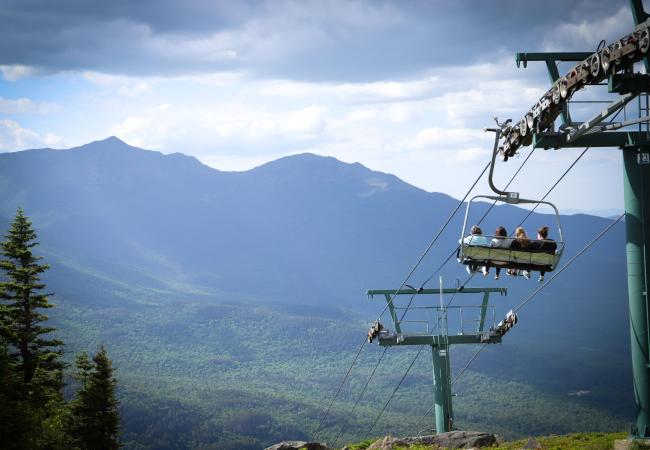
[{"x": 232, "y": 303}]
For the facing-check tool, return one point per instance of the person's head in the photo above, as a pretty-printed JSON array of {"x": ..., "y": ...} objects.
[
  {"x": 520, "y": 233},
  {"x": 500, "y": 232},
  {"x": 542, "y": 233},
  {"x": 476, "y": 230}
]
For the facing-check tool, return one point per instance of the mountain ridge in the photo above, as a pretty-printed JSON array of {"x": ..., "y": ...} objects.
[{"x": 158, "y": 255}]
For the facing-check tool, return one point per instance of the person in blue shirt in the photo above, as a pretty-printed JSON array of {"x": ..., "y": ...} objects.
[{"x": 476, "y": 238}]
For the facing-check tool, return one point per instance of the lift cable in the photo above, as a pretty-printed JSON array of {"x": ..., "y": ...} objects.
[
  {"x": 574, "y": 163},
  {"x": 454, "y": 250},
  {"x": 507, "y": 186},
  {"x": 365, "y": 341},
  {"x": 433, "y": 241},
  {"x": 592, "y": 242},
  {"x": 539, "y": 288},
  {"x": 417, "y": 424},
  {"x": 395, "y": 390},
  {"x": 471, "y": 360},
  {"x": 336, "y": 441},
  {"x": 460, "y": 203},
  {"x": 530, "y": 297},
  {"x": 536, "y": 291},
  {"x": 426, "y": 251},
  {"x": 622, "y": 109},
  {"x": 553, "y": 187},
  {"x": 479, "y": 222},
  {"x": 472, "y": 275}
]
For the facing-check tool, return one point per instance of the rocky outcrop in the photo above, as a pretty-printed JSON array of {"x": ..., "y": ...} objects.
[
  {"x": 298, "y": 445},
  {"x": 452, "y": 440}
]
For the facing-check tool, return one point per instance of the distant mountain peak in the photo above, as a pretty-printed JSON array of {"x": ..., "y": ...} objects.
[
  {"x": 312, "y": 161},
  {"x": 113, "y": 139},
  {"x": 111, "y": 143}
]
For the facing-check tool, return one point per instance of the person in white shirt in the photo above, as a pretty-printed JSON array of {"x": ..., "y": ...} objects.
[{"x": 500, "y": 240}]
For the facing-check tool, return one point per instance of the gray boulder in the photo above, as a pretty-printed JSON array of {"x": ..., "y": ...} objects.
[
  {"x": 298, "y": 445},
  {"x": 452, "y": 439}
]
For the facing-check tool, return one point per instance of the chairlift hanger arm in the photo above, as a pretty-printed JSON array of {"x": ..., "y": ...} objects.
[{"x": 495, "y": 151}]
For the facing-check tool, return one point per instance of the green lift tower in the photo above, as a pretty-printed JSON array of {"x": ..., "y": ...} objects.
[
  {"x": 612, "y": 63},
  {"x": 436, "y": 335}
]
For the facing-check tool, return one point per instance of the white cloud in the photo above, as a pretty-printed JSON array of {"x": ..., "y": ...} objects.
[
  {"x": 451, "y": 144},
  {"x": 122, "y": 85},
  {"x": 14, "y": 137},
  {"x": 436, "y": 137},
  {"x": 585, "y": 35},
  {"x": 353, "y": 93},
  {"x": 26, "y": 106},
  {"x": 147, "y": 132},
  {"x": 16, "y": 71},
  {"x": 362, "y": 115}
]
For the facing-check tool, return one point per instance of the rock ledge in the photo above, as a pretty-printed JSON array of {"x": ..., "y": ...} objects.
[{"x": 452, "y": 439}]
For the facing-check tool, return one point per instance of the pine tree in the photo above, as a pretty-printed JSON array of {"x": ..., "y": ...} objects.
[
  {"x": 95, "y": 418},
  {"x": 31, "y": 372},
  {"x": 23, "y": 301},
  {"x": 16, "y": 418}
]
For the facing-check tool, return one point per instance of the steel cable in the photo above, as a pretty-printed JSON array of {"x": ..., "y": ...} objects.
[
  {"x": 390, "y": 300},
  {"x": 481, "y": 220},
  {"x": 433, "y": 241},
  {"x": 395, "y": 390},
  {"x": 336, "y": 440},
  {"x": 525, "y": 301},
  {"x": 341, "y": 386}
]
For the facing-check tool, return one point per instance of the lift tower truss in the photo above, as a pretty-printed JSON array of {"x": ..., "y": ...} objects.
[
  {"x": 613, "y": 63},
  {"x": 438, "y": 338}
]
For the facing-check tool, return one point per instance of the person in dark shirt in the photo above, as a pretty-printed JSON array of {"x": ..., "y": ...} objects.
[
  {"x": 521, "y": 242},
  {"x": 543, "y": 244}
]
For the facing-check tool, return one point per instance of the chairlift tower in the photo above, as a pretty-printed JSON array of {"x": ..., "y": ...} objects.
[
  {"x": 612, "y": 63},
  {"x": 438, "y": 338}
]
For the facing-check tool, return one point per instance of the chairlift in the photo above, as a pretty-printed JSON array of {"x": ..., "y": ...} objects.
[
  {"x": 536, "y": 259},
  {"x": 532, "y": 259}
]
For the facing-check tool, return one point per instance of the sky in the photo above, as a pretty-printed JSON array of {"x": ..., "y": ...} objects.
[{"x": 404, "y": 87}]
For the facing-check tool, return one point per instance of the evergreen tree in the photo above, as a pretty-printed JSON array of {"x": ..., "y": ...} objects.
[
  {"x": 22, "y": 319},
  {"x": 95, "y": 419},
  {"x": 31, "y": 377},
  {"x": 15, "y": 414}
]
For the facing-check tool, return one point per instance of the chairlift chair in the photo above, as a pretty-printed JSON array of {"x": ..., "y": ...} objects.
[{"x": 507, "y": 258}]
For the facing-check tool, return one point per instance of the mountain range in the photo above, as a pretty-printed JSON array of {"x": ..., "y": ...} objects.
[{"x": 135, "y": 233}]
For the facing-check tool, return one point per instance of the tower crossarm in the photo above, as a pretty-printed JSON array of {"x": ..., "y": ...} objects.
[{"x": 616, "y": 57}]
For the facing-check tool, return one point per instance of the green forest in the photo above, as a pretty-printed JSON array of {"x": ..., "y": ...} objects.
[
  {"x": 33, "y": 411},
  {"x": 200, "y": 372}
]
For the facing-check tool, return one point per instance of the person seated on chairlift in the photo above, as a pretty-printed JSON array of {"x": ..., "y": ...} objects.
[
  {"x": 476, "y": 238},
  {"x": 521, "y": 242},
  {"x": 543, "y": 244},
  {"x": 500, "y": 240}
]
